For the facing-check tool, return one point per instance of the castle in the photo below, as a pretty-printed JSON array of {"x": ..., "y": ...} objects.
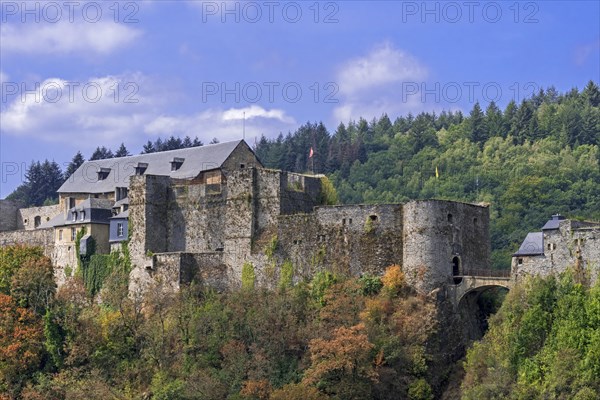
[{"x": 206, "y": 212}]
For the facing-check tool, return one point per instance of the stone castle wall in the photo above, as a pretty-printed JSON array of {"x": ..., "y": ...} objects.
[
  {"x": 435, "y": 232},
  {"x": 238, "y": 221},
  {"x": 39, "y": 237},
  {"x": 27, "y": 217},
  {"x": 357, "y": 240},
  {"x": 8, "y": 216}
]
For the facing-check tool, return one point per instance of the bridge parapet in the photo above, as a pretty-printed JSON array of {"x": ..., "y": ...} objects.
[{"x": 477, "y": 283}]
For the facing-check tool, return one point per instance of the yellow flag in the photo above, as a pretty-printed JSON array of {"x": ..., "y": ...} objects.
[{"x": 437, "y": 174}]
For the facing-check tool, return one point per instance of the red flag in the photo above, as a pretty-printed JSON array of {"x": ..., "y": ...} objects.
[{"x": 311, "y": 153}]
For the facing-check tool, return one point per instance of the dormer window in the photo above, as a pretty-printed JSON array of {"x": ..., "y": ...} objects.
[
  {"x": 74, "y": 219},
  {"x": 82, "y": 216},
  {"x": 141, "y": 168},
  {"x": 176, "y": 163},
  {"x": 103, "y": 173}
]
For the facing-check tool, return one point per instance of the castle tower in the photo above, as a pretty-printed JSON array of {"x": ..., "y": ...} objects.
[{"x": 444, "y": 240}]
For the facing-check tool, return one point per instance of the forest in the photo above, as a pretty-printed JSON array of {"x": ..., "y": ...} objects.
[
  {"x": 331, "y": 337},
  {"x": 528, "y": 161}
]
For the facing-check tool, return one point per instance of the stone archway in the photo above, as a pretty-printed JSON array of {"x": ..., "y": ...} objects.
[{"x": 476, "y": 306}]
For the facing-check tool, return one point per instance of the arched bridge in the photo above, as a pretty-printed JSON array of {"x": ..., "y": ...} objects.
[{"x": 478, "y": 281}]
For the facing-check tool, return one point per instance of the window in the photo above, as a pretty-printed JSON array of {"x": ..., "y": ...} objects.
[
  {"x": 520, "y": 261},
  {"x": 474, "y": 221},
  {"x": 349, "y": 221},
  {"x": 141, "y": 168},
  {"x": 242, "y": 166},
  {"x": 74, "y": 219},
  {"x": 176, "y": 163},
  {"x": 120, "y": 229},
  {"x": 60, "y": 235},
  {"x": 344, "y": 221},
  {"x": 82, "y": 216},
  {"x": 103, "y": 173},
  {"x": 71, "y": 202},
  {"x": 73, "y": 234},
  {"x": 373, "y": 218},
  {"x": 450, "y": 218},
  {"x": 37, "y": 221},
  {"x": 456, "y": 270}
]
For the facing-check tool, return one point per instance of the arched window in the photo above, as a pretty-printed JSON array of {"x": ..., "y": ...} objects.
[
  {"x": 456, "y": 270},
  {"x": 37, "y": 221}
]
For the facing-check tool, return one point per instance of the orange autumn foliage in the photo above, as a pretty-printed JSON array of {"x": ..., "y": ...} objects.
[
  {"x": 393, "y": 279},
  {"x": 347, "y": 354},
  {"x": 256, "y": 389},
  {"x": 21, "y": 343}
]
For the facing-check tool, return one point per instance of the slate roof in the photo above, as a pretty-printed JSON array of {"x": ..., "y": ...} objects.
[
  {"x": 533, "y": 245},
  {"x": 123, "y": 215},
  {"x": 97, "y": 211},
  {"x": 121, "y": 202},
  {"x": 553, "y": 223},
  {"x": 197, "y": 159}
]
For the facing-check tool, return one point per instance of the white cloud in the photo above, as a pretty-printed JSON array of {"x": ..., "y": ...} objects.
[
  {"x": 255, "y": 111},
  {"x": 384, "y": 65},
  {"x": 3, "y": 76},
  {"x": 100, "y": 111},
  {"x": 223, "y": 124},
  {"x": 375, "y": 83},
  {"x": 104, "y": 109},
  {"x": 66, "y": 37}
]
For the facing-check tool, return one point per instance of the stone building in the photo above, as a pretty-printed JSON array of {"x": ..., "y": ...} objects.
[
  {"x": 95, "y": 197},
  {"x": 562, "y": 243}
]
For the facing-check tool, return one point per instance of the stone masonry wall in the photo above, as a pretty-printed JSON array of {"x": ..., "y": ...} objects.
[
  {"x": 435, "y": 232},
  {"x": 26, "y": 216},
  {"x": 357, "y": 240},
  {"x": 195, "y": 218},
  {"x": 8, "y": 215},
  {"x": 148, "y": 201},
  {"x": 38, "y": 237}
]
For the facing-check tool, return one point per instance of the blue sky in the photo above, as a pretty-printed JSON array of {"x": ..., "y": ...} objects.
[{"x": 81, "y": 74}]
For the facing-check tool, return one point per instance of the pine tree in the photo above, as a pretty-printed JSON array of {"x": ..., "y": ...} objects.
[
  {"x": 148, "y": 148},
  {"x": 493, "y": 121},
  {"x": 591, "y": 94},
  {"x": 477, "y": 125},
  {"x": 122, "y": 151},
  {"x": 101, "y": 153},
  {"x": 73, "y": 165}
]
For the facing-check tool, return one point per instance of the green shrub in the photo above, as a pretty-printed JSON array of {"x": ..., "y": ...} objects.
[{"x": 248, "y": 276}]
